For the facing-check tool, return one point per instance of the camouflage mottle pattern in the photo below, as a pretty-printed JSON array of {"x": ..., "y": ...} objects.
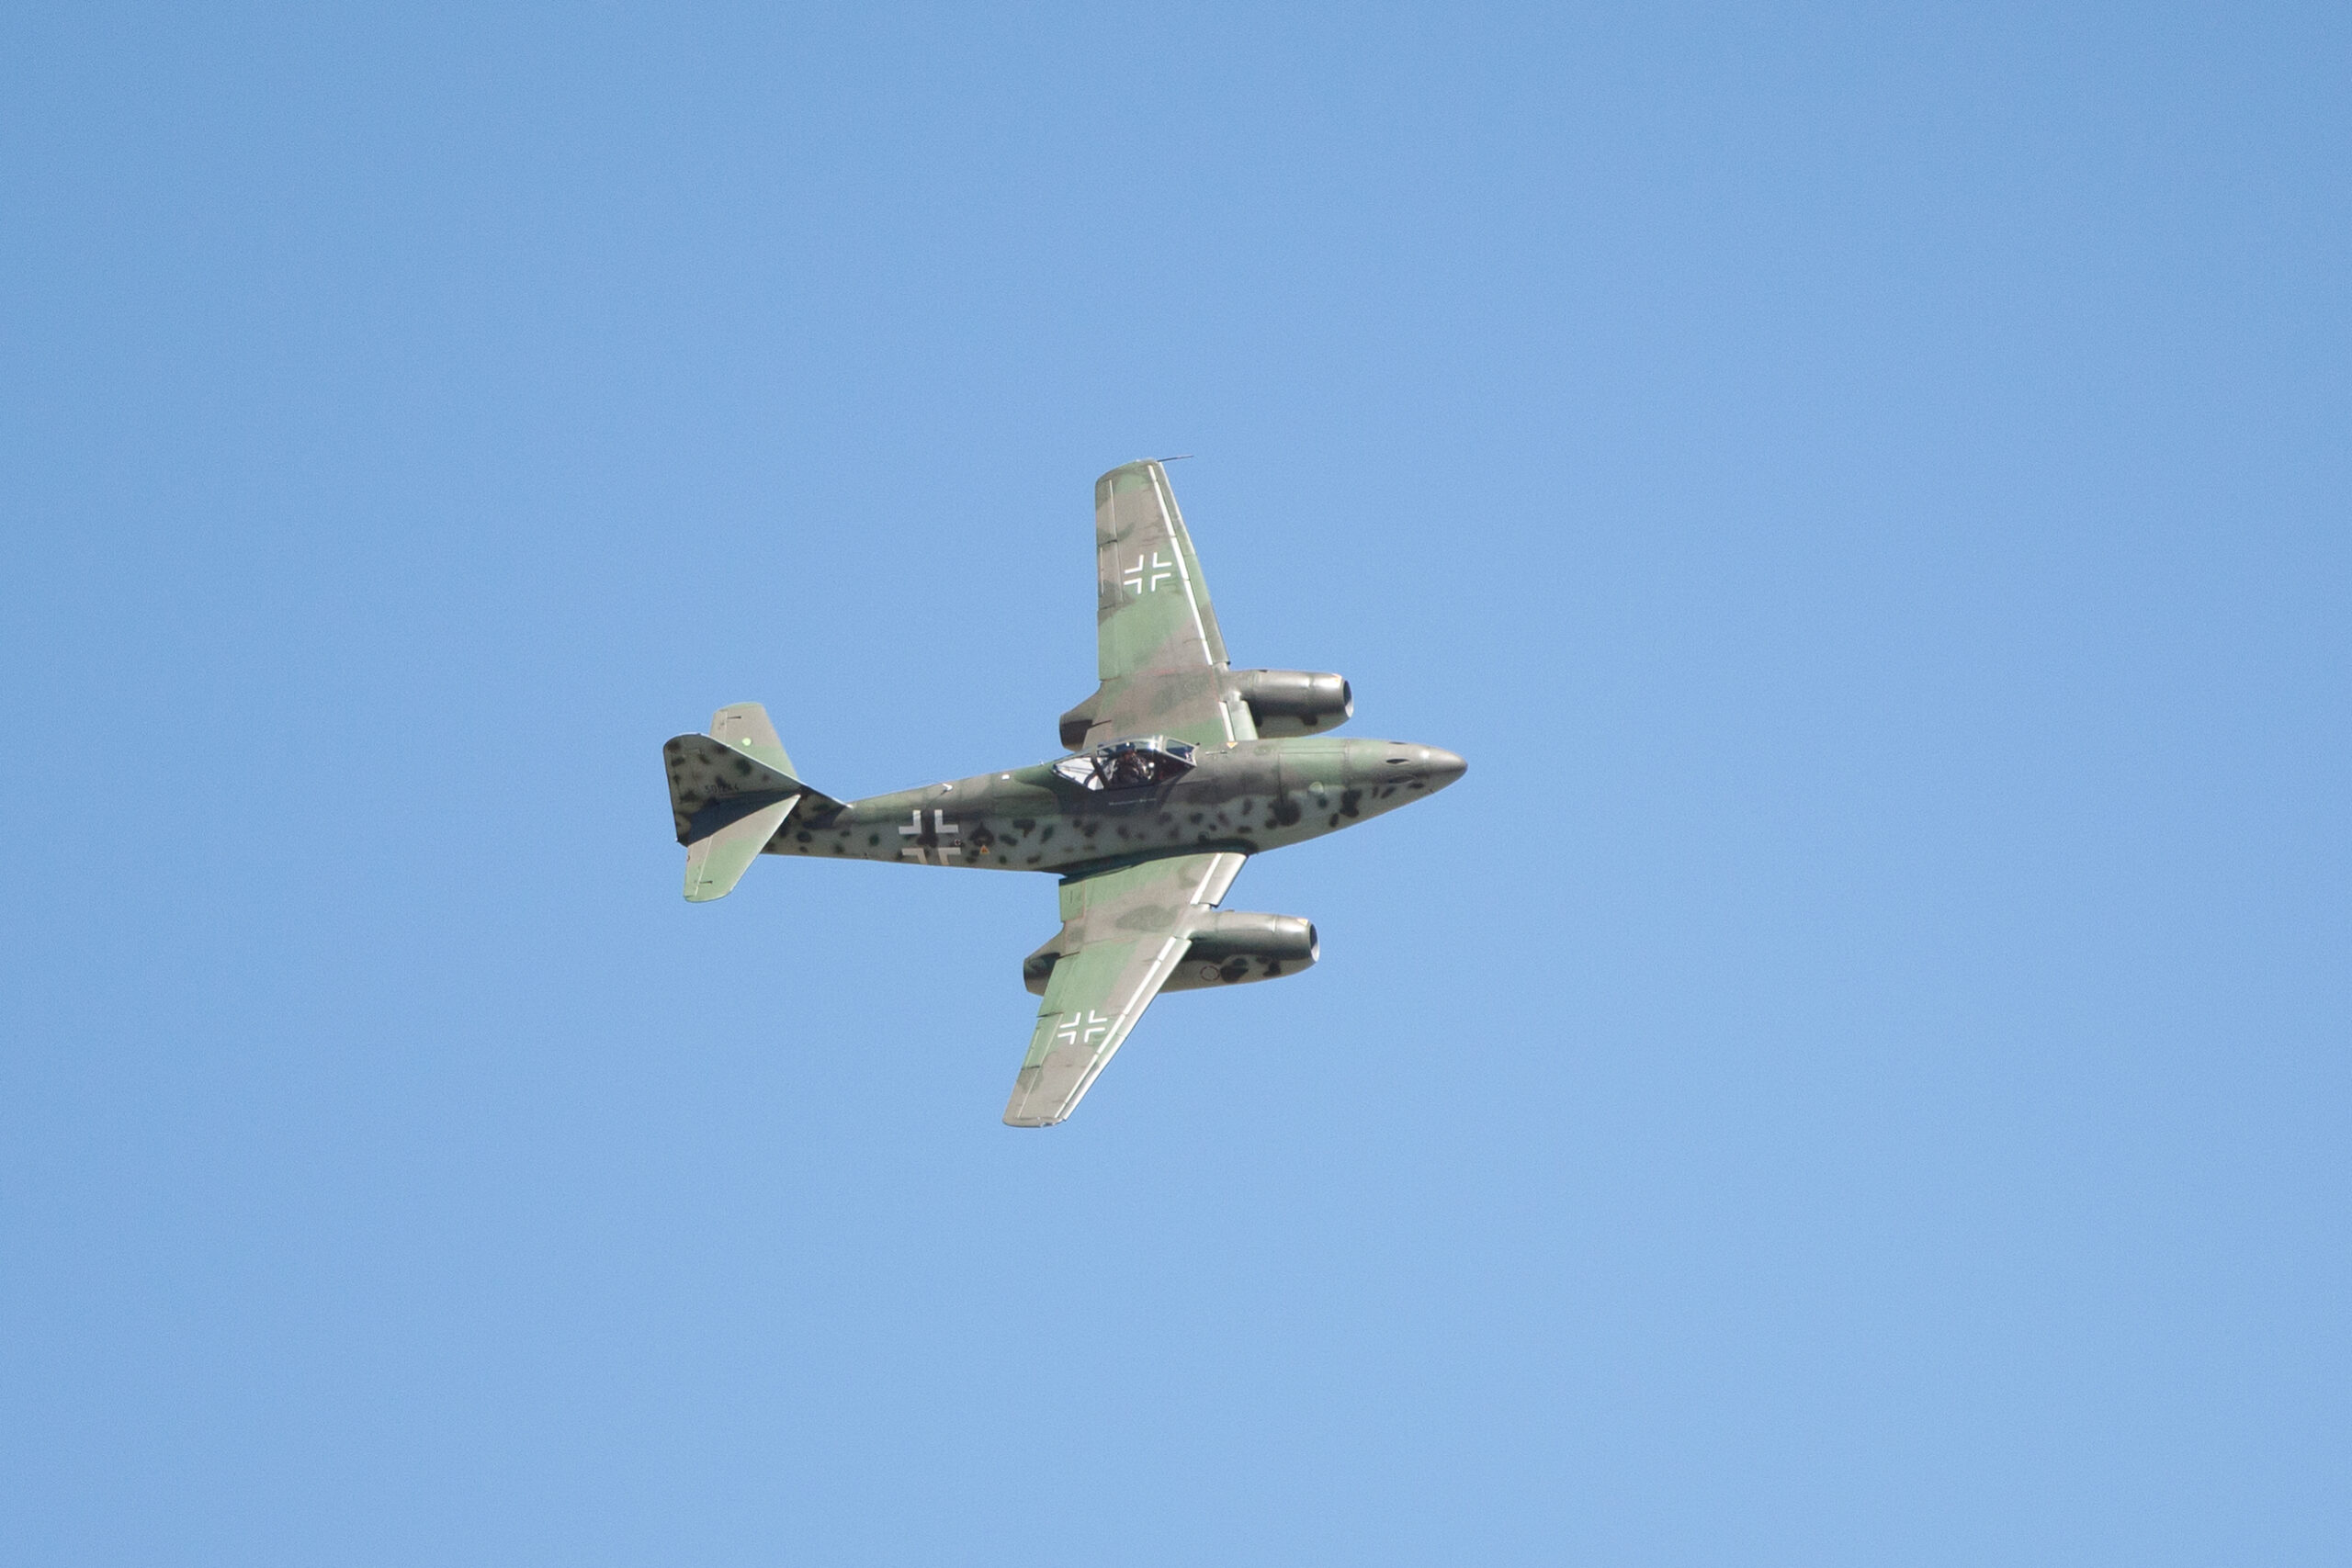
[
  {"x": 1258, "y": 794},
  {"x": 1142, "y": 867}
]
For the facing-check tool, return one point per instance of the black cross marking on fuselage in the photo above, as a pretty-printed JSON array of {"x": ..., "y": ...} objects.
[{"x": 940, "y": 844}]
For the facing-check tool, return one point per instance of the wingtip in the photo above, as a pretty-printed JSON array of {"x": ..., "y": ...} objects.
[{"x": 1018, "y": 1114}]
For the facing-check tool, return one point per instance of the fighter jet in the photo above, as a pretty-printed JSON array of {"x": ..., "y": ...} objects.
[{"x": 1181, "y": 767}]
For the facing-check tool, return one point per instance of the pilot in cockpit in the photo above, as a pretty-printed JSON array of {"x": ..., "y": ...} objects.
[{"x": 1129, "y": 764}]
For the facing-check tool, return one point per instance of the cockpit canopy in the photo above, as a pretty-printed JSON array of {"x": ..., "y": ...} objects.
[{"x": 1129, "y": 764}]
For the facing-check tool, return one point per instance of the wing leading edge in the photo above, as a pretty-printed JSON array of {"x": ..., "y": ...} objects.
[{"x": 1123, "y": 932}]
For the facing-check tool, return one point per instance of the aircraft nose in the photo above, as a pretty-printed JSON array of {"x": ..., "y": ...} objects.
[{"x": 1442, "y": 767}]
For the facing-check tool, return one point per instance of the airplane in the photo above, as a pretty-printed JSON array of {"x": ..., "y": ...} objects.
[{"x": 1181, "y": 766}]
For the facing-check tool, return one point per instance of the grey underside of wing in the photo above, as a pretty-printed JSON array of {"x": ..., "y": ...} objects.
[
  {"x": 1123, "y": 932},
  {"x": 1159, "y": 653}
]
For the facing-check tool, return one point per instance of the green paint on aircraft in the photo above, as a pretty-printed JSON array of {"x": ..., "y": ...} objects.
[{"x": 1180, "y": 767}]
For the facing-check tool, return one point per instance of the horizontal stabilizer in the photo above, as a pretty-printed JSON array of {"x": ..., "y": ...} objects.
[{"x": 716, "y": 860}]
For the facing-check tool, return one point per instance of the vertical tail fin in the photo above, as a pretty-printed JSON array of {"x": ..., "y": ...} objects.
[{"x": 745, "y": 726}]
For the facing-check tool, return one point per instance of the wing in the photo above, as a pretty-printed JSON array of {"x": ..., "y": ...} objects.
[
  {"x": 1123, "y": 932},
  {"x": 1157, "y": 645}
]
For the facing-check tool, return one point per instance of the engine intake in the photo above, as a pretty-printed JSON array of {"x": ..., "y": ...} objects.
[
  {"x": 1292, "y": 702},
  {"x": 1078, "y": 721}
]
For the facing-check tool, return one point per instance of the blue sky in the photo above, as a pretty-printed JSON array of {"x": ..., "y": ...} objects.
[{"x": 1854, "y": 1075}]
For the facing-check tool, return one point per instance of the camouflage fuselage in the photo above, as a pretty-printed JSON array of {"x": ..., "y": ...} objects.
[{"x": 1257, "y": 794}]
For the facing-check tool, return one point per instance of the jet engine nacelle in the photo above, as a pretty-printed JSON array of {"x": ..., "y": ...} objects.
[
  {"x": 1232, "y": 947},
  {"x": 1292, "y": 702},
  {"x": 1282, "y": 702}
]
